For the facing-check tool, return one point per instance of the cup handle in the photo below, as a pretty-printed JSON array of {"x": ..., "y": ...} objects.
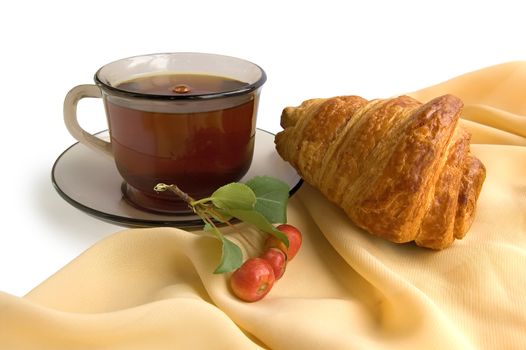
[{"x": 72, "y": 124}]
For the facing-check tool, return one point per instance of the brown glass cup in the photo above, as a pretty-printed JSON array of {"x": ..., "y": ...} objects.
[{"x": 196, "y": 140}]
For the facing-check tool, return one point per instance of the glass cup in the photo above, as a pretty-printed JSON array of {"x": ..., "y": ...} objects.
[{"x": 186, "y": 119}]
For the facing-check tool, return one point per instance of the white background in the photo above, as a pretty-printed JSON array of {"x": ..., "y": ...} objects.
[{"x": 308, "y": 49}]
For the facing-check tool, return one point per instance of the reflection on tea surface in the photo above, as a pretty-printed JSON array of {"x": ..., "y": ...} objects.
[{"x": 181, "y": 84}]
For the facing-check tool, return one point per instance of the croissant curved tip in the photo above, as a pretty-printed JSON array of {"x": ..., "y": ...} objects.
[
  {"x": 287, "y": 119},
  {"x": 449, "y": 100}
]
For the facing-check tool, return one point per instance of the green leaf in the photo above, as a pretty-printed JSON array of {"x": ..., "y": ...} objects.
[
  {"x": 271, "y": 197},
  {"x": 220, "y": 215},
  {"x": 234, "y": 196},
  {"x": 231, "y": 257},
  {"x": 257, "y": 219},
  {"x": 208, "y": 228}
]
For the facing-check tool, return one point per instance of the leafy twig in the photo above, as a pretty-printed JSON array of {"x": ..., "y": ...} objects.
[{"x": 260, "y": 202}]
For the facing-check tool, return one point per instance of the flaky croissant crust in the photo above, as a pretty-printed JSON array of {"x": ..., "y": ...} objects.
[{"x": 400, "y": 169}]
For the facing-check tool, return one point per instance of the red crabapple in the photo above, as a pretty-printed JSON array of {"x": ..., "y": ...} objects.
[
  {"x": 277, "y": 259},
  {"x": 295, "y": 239},
  {"x": 252, "y": 280}
]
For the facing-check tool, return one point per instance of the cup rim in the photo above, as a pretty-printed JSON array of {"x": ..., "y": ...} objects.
[{"x": 206, "y": 96}]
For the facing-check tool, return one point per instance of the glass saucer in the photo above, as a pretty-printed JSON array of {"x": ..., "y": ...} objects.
[{"x": 90, "y": 182}]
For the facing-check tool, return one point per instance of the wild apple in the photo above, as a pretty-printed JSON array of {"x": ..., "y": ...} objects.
[
  {"x": 252, "y": 280},
  {"x": 277, "y": 259},
  {"x": 295, "y": 239}
]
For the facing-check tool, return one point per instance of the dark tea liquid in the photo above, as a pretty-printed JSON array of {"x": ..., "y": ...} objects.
[{"x": 198, "y": 151}]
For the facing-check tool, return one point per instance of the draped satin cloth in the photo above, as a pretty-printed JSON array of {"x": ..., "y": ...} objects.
[{"x": 346, "y": 289}]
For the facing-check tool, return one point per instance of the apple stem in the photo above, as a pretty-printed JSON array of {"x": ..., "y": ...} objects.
[
  {"x": 249, "y": 243},
  {"x": 161, "y": 187},
  {"x": 228, "y": 223}
]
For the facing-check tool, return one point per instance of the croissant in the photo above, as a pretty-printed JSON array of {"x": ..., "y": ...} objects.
[{"x": 399, "y": 169}]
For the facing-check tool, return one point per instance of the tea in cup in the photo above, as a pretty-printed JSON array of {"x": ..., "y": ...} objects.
[{"x": 186, "y": 119}]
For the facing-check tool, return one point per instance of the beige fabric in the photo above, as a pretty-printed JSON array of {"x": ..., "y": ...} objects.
[{"x": 154, "y": 288}]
